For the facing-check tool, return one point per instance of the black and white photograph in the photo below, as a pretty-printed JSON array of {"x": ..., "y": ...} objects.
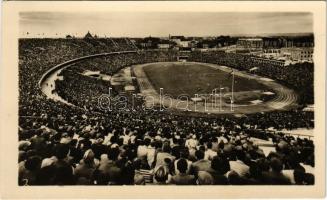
[{"x": 167, "y": 98}]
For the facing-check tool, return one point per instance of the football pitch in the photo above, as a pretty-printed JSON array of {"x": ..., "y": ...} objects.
[
  {"x": 189, "y": 79},
  {"x": 251, "y": 93}
]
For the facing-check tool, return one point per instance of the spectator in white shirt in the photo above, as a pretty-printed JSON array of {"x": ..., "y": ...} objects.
[{"x": 209, "y": 153}]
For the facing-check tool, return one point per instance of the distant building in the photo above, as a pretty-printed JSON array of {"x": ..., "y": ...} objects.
[
  {"x": 146, "y": 44},
  {"x": 185, "y": 50},
  {"x": 287, "y": 41},
  {"x": 297, "y": 53},
  {"x": 272, "y": 42},
  {"x": 250, "y": 44},
  {"x": 163, "y": 46},
  {"x": 193, "y": 43},
  {"x": 305, "y": 41},
  {"x": 181, "y": 41},
  {"x": 150, "y": 42},
  {"x": 270, "y": 53},
  {"x": 273, "y": 51},
  {"x": 88, "y": 35},
  {"x": 69, "y": 37},
  {"x": 205, "y": 46},
  {"x": 185, "y": 43},
  {"x": 176, "y": 39},
  {"x": 202, "y": 49}
]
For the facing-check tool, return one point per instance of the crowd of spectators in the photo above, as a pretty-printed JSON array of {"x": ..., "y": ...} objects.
[
  {"x": 152, "y": 148},
  {"x": 298, "y": 76},
  {"x": 72, "y": 145},
  {"x": 85, "y": 91},
  {"x": 36, "y": 56}
]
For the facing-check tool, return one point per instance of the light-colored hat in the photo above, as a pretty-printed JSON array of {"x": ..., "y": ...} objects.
[
  {"x": 65, "y": 140},
  {"x": 47, "y": 162},
  {"x": 23, "y": 144},
  {"x": 282, "y": 145},
  {"x": 88, "y": 155}
]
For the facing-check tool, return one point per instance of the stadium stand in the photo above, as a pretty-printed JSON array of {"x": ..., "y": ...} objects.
[{"x": 80, "y": 145}]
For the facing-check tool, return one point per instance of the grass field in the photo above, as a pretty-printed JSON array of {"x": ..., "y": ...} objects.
[{"x": 190, "y": 79}]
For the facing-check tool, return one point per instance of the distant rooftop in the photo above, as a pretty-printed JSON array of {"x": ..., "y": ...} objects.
[
  {"x": 177, "y": 37},
  {"x": 251, "y": 39}
]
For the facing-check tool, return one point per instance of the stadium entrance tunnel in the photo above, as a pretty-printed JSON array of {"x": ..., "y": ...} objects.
[{"x": 182, "y": 58}]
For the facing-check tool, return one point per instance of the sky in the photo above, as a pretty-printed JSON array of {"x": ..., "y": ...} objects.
[{"x": 161, "y": 24}]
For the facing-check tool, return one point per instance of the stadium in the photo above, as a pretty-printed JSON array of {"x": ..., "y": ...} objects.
[{"x": 210, "y": 118}]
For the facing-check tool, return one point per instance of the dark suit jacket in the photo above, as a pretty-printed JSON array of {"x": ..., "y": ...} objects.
[{"x": 183, "y": 179}]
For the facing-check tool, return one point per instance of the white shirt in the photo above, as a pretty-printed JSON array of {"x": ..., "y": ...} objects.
[
  {"x": 191, "y": 143},
  {"x": 209, "y": 154},
  {"x": 150, "y": 155},
  {"x": 142, "y": 151},
  {"x": 239, "y": 167}
]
